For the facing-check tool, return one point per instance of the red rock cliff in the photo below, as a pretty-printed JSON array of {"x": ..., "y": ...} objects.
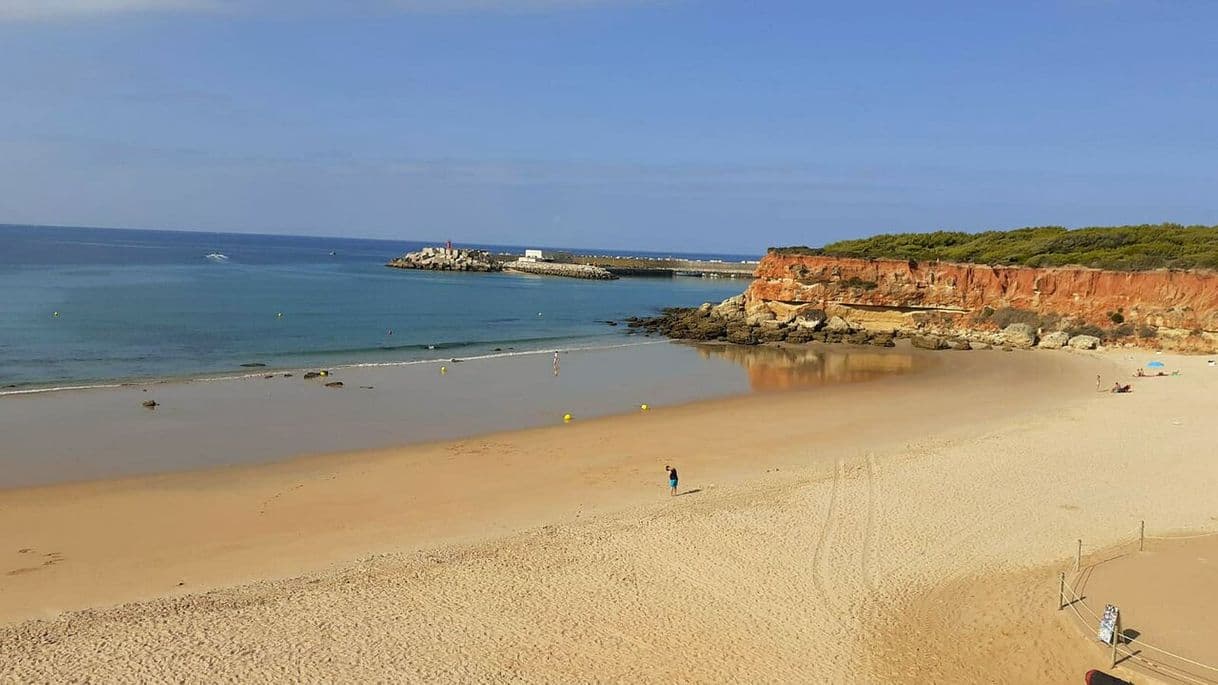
[{"x": 1181, "y": 306}]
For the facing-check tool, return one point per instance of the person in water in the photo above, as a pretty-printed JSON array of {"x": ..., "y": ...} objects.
[{"x": 672, "y": 480}]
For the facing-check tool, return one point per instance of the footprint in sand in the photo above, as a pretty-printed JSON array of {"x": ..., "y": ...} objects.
[{"x": 50, "y": 559}]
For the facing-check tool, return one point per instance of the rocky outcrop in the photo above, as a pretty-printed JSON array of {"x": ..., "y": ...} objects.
[
  {"x": 1019, "y": 335},
  {"x": 928, "y": 342},
  {"x": 735, "y": 322},
  {"x": 446, "y": 259},
  {"x": 1054, "y": 341},
  {"x": 586, "y": 271},
  {"x": 1163, "y": 308},
  {"x": 1084, "y": 342}
]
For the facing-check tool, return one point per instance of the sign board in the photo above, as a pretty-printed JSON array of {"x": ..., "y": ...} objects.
[{"x": 1108, "y": 623}]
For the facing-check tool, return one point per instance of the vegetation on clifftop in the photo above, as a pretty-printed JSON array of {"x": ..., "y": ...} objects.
[{"x": 1121, "y": 248}]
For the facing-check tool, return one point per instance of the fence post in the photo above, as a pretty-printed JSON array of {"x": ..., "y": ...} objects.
[
  {"x": 1142, "y": 536},
  {"x": 1116, "y": 638},
  {"x": 1061, "y": 592},
  {"x": 1078, "y": 558}
]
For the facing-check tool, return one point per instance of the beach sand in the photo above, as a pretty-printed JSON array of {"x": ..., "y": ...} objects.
[{"x": 906, "y": 528}]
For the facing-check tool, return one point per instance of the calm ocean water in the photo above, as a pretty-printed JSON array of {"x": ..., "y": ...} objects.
[{"x": 151, "y": 304}]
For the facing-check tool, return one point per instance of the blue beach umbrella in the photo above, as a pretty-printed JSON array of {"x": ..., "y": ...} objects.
[{"x": 1155, "y": 364}]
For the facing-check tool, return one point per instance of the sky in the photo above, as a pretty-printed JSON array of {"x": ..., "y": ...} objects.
[{"x": 651, "y": 124}]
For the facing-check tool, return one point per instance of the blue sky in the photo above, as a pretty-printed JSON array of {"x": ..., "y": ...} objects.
[{"x": 670, "y": 124}]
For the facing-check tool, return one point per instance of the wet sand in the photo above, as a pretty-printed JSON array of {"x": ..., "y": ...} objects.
[
  {"x": 910, "y": 527},
  {"x": 80, "y": 435}
]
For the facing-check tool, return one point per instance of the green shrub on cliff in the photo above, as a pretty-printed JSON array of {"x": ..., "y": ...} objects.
[{"x": 1122, "y": 248}]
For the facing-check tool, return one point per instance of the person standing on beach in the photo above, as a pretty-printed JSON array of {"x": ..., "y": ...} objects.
[{"x": 672, "y": 481}]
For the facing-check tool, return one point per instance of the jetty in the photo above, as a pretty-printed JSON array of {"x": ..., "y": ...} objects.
[
  {"x": 586, "y": 271},
  {"x": 570, "y": 265},
  {"x": 447, "y": 258}
]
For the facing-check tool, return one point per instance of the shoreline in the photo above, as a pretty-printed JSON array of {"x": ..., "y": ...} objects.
[
  {"x": 210, "y": 505},
  {"x": 265, "y": 417},
  {"x": 811, "y": 527},
  {"x": 18, "y": 390}
]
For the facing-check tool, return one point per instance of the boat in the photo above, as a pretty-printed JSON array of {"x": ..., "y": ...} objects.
[{"x": 217, "y": 257}]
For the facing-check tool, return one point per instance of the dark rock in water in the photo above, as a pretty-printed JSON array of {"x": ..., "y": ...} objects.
[
  {"x": 928, "y": 342},
  {"x": 334, "y": 384},
  {"x": 312, "y": 374},
  {"x": 883, "y": 340},
  {"x": 287, "y": 375},
  {"x": 772, "y": 335},
  {"x": 366, "y": 387},
  {"x": 253, "y": 365},
  {"x": 497, "y": 349},
  {"x": 269, "y": 375},
  {"x": 611, "y": 323},
  {"x": 859, "y": 338},
  {"x": 740, "y": 334},
  {"x": 151, "y": 404}
]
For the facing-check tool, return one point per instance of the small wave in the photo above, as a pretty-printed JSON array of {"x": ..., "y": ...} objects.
[
  {"x": 298, "y": 370},
  {"x": 448, "y": 345},
  {"x": 217, "y": 257},
  {"x": 516, "y": 353},
  {"x": 57, "y": 388}
]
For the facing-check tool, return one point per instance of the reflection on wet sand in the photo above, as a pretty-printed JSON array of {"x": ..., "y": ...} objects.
[{"x": 785, "y": 367}]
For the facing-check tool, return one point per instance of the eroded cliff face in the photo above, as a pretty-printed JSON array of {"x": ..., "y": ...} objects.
[{"x": 1170, "y": 309}]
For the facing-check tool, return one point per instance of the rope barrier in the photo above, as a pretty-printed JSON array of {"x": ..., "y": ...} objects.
[
  {"x": 1076, "y": 600},
  {"x": 1177, "y": 672},
  {"x": 1181, "y": 537}
]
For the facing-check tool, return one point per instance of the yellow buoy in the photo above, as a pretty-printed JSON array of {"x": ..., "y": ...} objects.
[
  {"x": 644, "y": 407},
  {"x": 443, "y": 369},
  {"x": 566, "y": 418}
]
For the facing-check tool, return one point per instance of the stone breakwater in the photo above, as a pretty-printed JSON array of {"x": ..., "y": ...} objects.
[
  {"x": 805, "y": 298},
  {"x": 586, "y": 271},
  {"x": 457, "y": 259},
  {"x": 445, "y": 259}
]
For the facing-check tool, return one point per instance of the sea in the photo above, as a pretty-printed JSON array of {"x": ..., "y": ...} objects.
[{"x": 82, "y": 307}]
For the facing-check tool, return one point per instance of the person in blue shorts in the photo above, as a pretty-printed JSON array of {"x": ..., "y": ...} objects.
[{"x": 672, "y": 480}]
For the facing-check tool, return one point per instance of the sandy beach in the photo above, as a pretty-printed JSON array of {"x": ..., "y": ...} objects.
[{"x": 910, "y": 527}]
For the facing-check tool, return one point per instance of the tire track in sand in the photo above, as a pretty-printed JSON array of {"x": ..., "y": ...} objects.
[
  {"x": 868, "y": 553},
  {"x": 818, "y": 580}
]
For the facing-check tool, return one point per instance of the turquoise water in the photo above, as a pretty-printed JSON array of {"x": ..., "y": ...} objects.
[{"x": 151, "y": 304}]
